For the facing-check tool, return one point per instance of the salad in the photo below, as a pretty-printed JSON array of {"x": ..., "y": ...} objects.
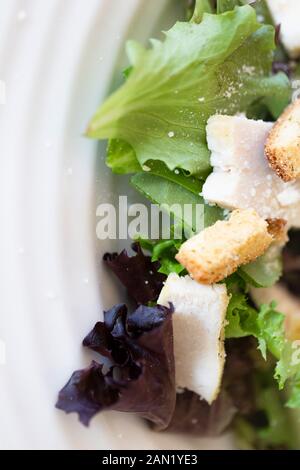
[{"x": 209, "y": 341}]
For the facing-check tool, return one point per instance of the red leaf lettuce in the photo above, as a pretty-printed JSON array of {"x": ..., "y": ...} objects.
[{"x": 141, "y": 375}]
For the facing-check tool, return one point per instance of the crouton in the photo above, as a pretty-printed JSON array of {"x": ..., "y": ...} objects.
[
  {"x": 282, "y": 147},
  {"x": 219, "y": 250},
  {"x": 278, "y": 229},
  {"x": 198, "y": 331}
]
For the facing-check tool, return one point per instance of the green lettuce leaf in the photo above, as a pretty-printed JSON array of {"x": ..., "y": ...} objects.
[
  {"x": 201, "y": 7},
  {"x": 276, "y": 104},
  {"x": 227, "y": 5},
  {"x": 164, "y": 251},
  {"x": 294, "y": 397},
  {"x": 267, "y": 326},
  {"x": 200, "y": 69},
  {"x": 279, "y": 431},
  {"x": 173, "y": 196},
  {"x": 120, "y": 157},
  {"x": 275, "y": 428},
  {"x": 241, "y": 318},
  {"x": 265, "y": 271},
  {"x": 188, "y": 182}
]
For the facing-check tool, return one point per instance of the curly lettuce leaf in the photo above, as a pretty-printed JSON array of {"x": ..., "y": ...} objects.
[
  {"x": 294, "y": 396},
  {"x": 271, "y": 427},
  {"x": 241, "y": 318},
  {"x": 262, "y": 421},
  {"x": 141, "y": 377},
  {"x": 249, "y": 404},
  {"x": 279, "y": 431},
  {"x": 227, "y": 5},
  {"x": 271, "y": 107},
  {"x": 267, "y": 326},
  {"x": 199, "y": 70},
  {"x": 221, "y": 6},
  {"x": 164, "y": 251}
]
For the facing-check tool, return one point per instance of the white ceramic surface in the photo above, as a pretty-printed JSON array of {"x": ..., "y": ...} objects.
[{"x": 57, "y": 60}]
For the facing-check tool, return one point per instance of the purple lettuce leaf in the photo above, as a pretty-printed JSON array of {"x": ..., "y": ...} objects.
[
  {"x": 137, "y": 273},
  {"x": 141, "y": 377},
  {"x": 87, "y": 392},
  {"x": 195, "y": 416},
  {"x": 239, "y": 381}
]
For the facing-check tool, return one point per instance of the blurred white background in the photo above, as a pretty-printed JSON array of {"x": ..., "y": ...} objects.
[{"x": 57, "y": 61}]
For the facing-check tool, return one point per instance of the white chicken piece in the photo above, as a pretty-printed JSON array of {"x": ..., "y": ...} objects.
[
  {"x": 287, "y": 14},
  {"x": 242, "y": 177},
  {"x": 198, "y": 328}
]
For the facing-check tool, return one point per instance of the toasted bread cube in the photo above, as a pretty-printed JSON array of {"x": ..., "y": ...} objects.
[
  {"x": 278, "y": 229},
  {"x": 198, "y": 330},
  {"x": 287, "y": 13},
  {"x": 219, "y": 250},
  {"x": 283, "y": 144}
]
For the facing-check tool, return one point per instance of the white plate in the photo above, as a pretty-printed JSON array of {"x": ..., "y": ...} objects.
[{"x": 57, "y": 59}]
